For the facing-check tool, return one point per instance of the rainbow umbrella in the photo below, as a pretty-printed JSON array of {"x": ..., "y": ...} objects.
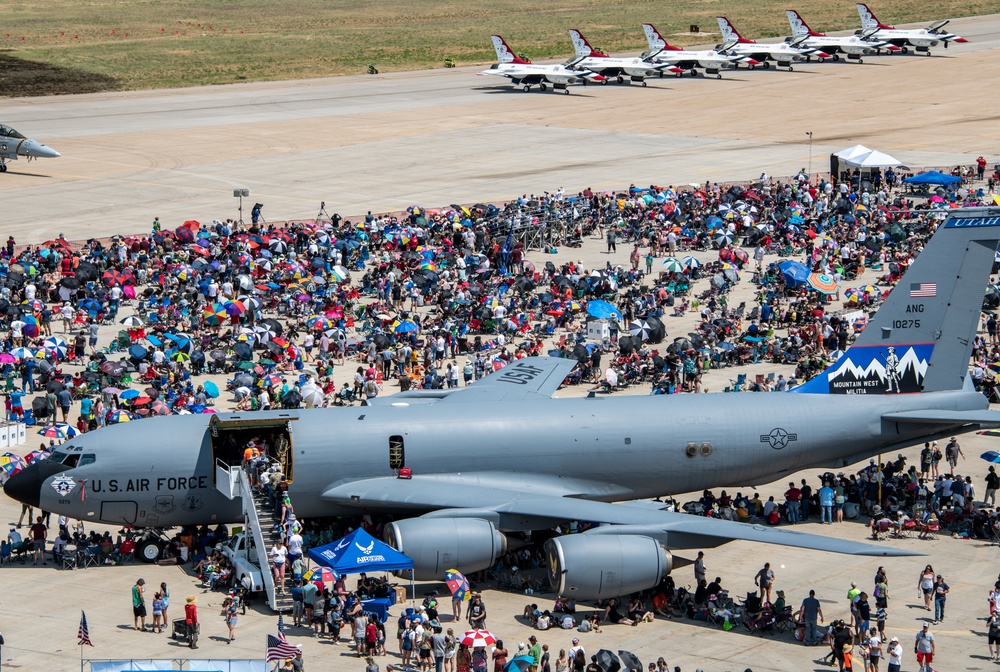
[
  {"x": 235, "y": 308},
  {"x": 30, "y": 327},
  {"x": 457, "y": 584},
  {"x": 271, "y": 380},
  {"x": 215, "y": 314},
  {"x": 118, "y": 417}
]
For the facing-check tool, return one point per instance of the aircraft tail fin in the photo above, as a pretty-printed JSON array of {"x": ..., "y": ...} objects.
[
  {"x": 729, "y": 32},
  {"x": 582, "y": 47},
  {"x": 920, "y": 340},
  {"x": 504, "y": 53},
  {"x": 656, "y": 41},
  {"x": 868, "y": 18},
  {"x": 799, "y": 25}
]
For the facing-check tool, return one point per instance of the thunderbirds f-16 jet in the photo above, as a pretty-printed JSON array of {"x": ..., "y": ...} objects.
[
  {"x": 637, "y": 69},
  {"x": 782, "y": 53},
  {"x": 711, "y": 60},
  {"x": 466, "y": 472},
  {"x": 852, "y": 46},
  {"x": 13, "y": 145},
  {"x": 921, "y": 39},
  {"x": 526, "y": 74}
]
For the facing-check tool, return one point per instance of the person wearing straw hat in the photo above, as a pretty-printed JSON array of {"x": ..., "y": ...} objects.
[{"x": 191, "y": 620}]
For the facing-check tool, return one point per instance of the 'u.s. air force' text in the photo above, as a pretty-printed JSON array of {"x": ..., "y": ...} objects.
[{"x": 147, "y": 484}]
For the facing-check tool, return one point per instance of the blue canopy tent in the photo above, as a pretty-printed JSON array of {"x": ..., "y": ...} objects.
[
  {"x": 932, "y": 177},
  {"x": 361, "y": 552}
]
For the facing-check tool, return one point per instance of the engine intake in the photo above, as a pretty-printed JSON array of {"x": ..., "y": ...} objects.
[
  {"x": 439, "y": 544},
  {"x": 592, "y": 567}
]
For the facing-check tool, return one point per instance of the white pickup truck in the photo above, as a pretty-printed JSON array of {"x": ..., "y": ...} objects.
[{"x": 246, "y": 571}]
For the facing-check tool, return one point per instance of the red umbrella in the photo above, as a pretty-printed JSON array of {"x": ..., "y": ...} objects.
[{"x": 160, "y": 408}]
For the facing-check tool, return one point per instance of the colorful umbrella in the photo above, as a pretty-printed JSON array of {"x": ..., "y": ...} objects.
[
  {"x": 117, "y": 417},
  {"x": 405, "y": 327},
  {"x": 324, "y": 574},
  {"x": 457, "y": 584},
  {"x": 159, "y": 408},
  {"x": 215, "y": 314},
  {"x": 128, "y": 394},
  {"x": 235, "y": 308},
  {"x": 133, "y": 321},
  {"x": 23, "y": 353},
  {"x": 318, "y": 322},
  {"x": 822, "y": 282},
  {"x": 7, "y": 358},
  {"x": 270, "y": 380},
  {"x": 11, "y": 463},
  {"x": 180, "y": 357},
  {"x": 478, "y": 638},
  {"x": 60, "y": 431}
]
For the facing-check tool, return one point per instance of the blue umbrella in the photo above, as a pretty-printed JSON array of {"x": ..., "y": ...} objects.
[
  {"x": 405, "y": 327},
  {"x": 519, "y": 664},
  {"x": 991, "y": 456},
  {"x": 932, "y": 177},
  {"x": 137, "y": 352},
  {"x": 129, "y": 394},
  {"x": 602, "y": 310},
  {"x": 795, "y": 273},
  {"x": 211, "y": 389},
  {"x": 712, "y": 221}
]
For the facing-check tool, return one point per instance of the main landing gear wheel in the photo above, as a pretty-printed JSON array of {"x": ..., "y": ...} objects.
[
  {"x": 718, "y": 76},
  {"x": 790, "y": 68},
  {"x": 566, "y": 91},
  {"x": 644, "y": 83},
  {"x": 3, "y": 168},
  {"x": 905, "y": 50},
  {"x": 836, "y": 58},
  {"x": 542, "y": 87},
  {"x": 861, "y": 61},
  {"x": 149, "y": 550},
  {"x": 621, "y": 80},
  {"x": 767, "y": 65}
]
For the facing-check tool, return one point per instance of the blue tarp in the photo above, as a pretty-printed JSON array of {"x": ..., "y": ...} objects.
[
  {"x": 932, "y": 177},
  {"x": 360, "y": 552}
]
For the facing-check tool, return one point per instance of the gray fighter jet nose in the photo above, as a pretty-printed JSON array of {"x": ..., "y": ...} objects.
[
  {"x": 26, "y": 485},
  {"x": 38, "y": 150}
]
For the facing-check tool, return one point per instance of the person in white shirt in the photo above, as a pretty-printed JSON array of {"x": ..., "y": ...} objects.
[{"x": 895, "y": 652}]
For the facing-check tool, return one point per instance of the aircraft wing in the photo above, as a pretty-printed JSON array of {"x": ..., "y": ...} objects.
[
  {"x": 984, "y": 418},
  {"x": 525, "y": 505},
  {"x": 536, "y": 377}
]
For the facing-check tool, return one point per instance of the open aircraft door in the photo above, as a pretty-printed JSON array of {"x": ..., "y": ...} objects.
[{"x": 231, "y": 433}]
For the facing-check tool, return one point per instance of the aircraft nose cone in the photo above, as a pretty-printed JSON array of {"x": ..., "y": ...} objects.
[
  {"x": 26, "y": 485},
  {"x": 38, "y": 150}
]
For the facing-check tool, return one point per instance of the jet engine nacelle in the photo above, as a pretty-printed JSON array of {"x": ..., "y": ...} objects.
[
  {"x": 439, "y": 544},
  {"x": 600, "y": 566}
]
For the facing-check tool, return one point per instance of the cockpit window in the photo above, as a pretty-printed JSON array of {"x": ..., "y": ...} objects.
[
  {"x": 9, "y": 132},
  {"x": 57, "y": 456},
  {"x": 86, "y": 458}
]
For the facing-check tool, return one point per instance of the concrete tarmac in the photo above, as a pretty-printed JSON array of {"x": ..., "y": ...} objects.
[{"x": 443, "y": 136}]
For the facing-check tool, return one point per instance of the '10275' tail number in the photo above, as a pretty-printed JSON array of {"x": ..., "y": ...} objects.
[{"x": 906, "y": 324}]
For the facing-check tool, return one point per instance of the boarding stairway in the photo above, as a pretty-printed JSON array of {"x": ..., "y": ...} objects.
[{"x": 263, "y": 529}]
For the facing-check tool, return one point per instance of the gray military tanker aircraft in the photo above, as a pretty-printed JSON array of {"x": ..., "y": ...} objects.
[{"x": 464, "y": 470}]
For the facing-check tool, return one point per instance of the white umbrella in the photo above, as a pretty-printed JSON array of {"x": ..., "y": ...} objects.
[
  {"x": 133, "y": 321},
  {"x": 722, "y": 238},
  {"x": 691, "y": 262}
]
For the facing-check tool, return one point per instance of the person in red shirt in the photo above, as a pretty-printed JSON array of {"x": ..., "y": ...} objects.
[
  {"x": 793, "y": 497},
  {"x": 191, "y": 620},
  {"x": 38, "y": 531}
]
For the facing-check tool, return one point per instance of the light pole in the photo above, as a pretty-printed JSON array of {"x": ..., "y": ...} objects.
[
  {"x": 240, "y": 193},
  {"x": 810, "y": 134}
]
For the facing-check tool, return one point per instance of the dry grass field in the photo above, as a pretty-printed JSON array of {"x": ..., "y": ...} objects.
[{"x": 76, "y": 46}]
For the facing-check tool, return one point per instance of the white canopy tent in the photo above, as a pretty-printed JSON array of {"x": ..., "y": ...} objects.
[
  {"x": 852, "y": 152},
  {"x": 873, "y": 159}
]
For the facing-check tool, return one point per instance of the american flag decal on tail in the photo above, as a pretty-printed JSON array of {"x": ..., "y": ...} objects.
[{"x": 923, "y": 289}]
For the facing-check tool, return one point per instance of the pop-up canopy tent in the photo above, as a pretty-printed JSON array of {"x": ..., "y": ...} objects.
[
  {"x": 932, "y": 177},
  {"x": 873, "y": 159},
  {"x": 361, "y": 552},
  {"x": 852, "y": 152}
]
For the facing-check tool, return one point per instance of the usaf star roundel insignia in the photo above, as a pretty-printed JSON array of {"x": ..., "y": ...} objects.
[{"x": 778, "y": 438}]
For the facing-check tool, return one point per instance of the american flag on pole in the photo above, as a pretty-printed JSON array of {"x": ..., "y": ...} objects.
[
  {"x": 923, "y": 289},
  {"x": 281, "y": 626},
  {"x": 83, "y": 634},
  {"x": 279, "y": 649}
]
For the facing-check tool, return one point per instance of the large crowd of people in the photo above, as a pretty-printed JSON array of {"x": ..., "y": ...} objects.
[{"x": 107, "y": 331}]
